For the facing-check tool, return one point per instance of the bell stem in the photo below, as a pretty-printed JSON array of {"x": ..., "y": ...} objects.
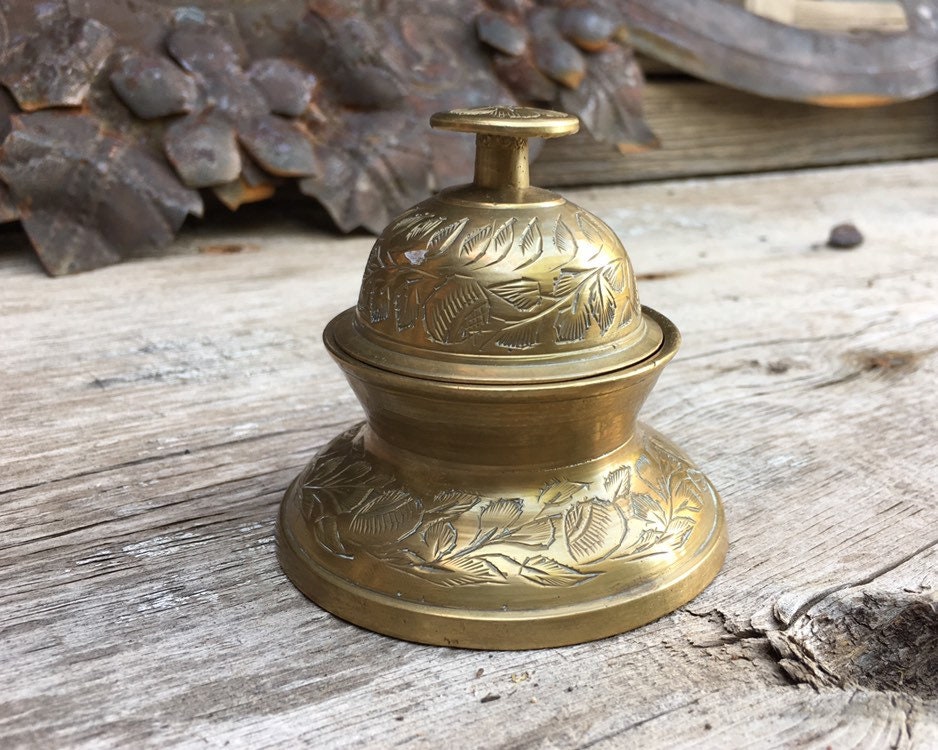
[{"x": 501, "y": 162}]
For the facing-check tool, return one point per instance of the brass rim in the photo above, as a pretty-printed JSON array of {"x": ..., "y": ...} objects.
[{"x": 661, "y": 343}]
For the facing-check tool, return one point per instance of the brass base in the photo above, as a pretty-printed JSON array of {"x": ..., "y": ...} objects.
[{"x": 528, "y": 558}]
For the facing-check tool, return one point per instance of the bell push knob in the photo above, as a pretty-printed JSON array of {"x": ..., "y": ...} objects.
[{"x": 502, "y": 139}]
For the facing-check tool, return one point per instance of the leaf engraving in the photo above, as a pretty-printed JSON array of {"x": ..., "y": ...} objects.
[
  {"x": 476, "y": 241},
  {"x": 430, "y": 288},
  {"x": 559, "y": 491},
  {"x": 602, "y": 302},
  {"x": 549, "y": 572},
  {"x": 461, "y": 537},
  {"x": 523, "y": 294},
  {"x": 465, "y": 571},
  {"x": 454, "y": 502},
  {"x": 502, "y": 513},
  {"x": 618, "y": 481},
  {"x": 594, "y": 528},
  {"x": 456, "y": 310},
  {"x": 522, "y": 335},
  {"x": 386, "y": 516},
  {"x": 573, "y": 321},
  {"x": 423, "y": 226},
  {"x": 441, "y": 240},
  {"x": 500, "y": 245},
  {"x": 531, "y": 243},
  {"x": 440, "y": 538},
  {"x": 565, "y": 240},
  {"x": 539, "y": 533},
  {"x": 614, "y": 273},
  {"x": 591, "y": 230}
]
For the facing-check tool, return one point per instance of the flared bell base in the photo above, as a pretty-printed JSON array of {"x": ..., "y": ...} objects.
[{"x": 526, "y": 558}]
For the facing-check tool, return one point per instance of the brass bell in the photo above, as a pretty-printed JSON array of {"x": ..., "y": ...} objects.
[{"x": 502, "y": 493}]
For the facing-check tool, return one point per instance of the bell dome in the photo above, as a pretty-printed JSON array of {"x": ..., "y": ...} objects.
[{"x": 499, "y": 273}]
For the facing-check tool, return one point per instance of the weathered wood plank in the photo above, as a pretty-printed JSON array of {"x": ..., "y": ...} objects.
[
  {"x": 154, "y": 412},
  {"x": 707, "y": 129}
]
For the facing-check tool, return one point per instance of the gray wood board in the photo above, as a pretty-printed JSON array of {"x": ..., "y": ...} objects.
[
  {"x": 707, "y": 129},
  {"x": 154, "y": 412}
]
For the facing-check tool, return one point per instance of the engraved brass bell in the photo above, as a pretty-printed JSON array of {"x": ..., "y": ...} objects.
[{"x": 501, "y": 493}]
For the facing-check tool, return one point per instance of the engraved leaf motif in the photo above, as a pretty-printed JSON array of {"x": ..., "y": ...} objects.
[
  {"x": 648, "y": 538},
  {"x": 531, "y": 243},
  {"x": 454, "y": 502},
  {"x": 461, "y": 571},
  {"x": 646, "y": 508},
  {"x": 523, "y": 294},
  {"x": 591, "y": 230},
  {"x": 327, "y": 534},
  {"x": 502, "y": 513},
  {"x": 559, "y": 491},
  {"x": 456, "y": 310},
  {"x": 520, "y": 336},
  {"x": 679, "y": 530},
  {"x": 500, "y": 245},
  {"x": 618, "y": 481},
  {"x": 477, "y": 240},
  {"x": 602, "y": 303},
  {"x": 386, "y": 516},
  {"x": 441, "y": 240},
  {"x": 570, "y": 281},
  {"x": 406, "y": 304},
  {"x": 573, "y": 321},
  {"x": 688, "y": 489},
  {"x": 564, "y": 239},
  {"x": 332, "y": 474},
  {"x": 375, "y": 299},
  {"x": 440, "y": 538},
  {"x": 548, "y": 572},
  {"x": 538, "y": 533},
  {"x": 409, "y": 220},
  {"x": 424, "y": 226},
  {"x": 594, "y": 528},
  {"x": 614, "y": 273}
]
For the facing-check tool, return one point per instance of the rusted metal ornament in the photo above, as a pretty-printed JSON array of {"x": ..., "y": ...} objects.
[
  {"x": 241, "y": 98},
  {"x": 501, "y": 493}
]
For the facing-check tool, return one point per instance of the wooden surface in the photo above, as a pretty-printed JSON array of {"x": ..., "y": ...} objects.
[
  {"x": 153, "y": 414},
  {"x": 707, "y": 129}
]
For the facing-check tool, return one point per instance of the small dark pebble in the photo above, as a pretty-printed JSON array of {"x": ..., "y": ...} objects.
[
  {"x": 479, "y": 672},
  {"x": 489, "y": 698},
  {"x": 778, "y": 367},
  {"x": 398, "y": 718},
  {"x": 708, "y": 725},
  {"x": 569, "y": 689},
  {"x": 845, "y": 237}
]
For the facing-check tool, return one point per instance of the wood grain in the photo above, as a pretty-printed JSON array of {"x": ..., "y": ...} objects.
[
  {"x": 154, "y": 412},
  {"x": 707, "y": 130}
]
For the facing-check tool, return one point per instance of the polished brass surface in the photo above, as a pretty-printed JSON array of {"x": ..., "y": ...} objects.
[{"x": 501, "y": 493}]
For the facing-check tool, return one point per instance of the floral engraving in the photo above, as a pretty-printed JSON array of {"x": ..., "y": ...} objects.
[
  {"x": 559, "y": 537},
  {"x": 508, "y": 112},
  {"x": 435, "y": 283}
]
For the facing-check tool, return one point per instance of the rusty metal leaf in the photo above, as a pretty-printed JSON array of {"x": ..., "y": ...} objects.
[
  {"x": 56, "y": 64},
  {"x": 286, "y": 86},
  {"x": 153, "y": 87},
  {"x": 203, "y": 150},
  {"x": 87, "y": 198},
  {"x": 502, "y": 34},
  {"x": 609, "y": 102},
  {"x": 279, "y": 146}
]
